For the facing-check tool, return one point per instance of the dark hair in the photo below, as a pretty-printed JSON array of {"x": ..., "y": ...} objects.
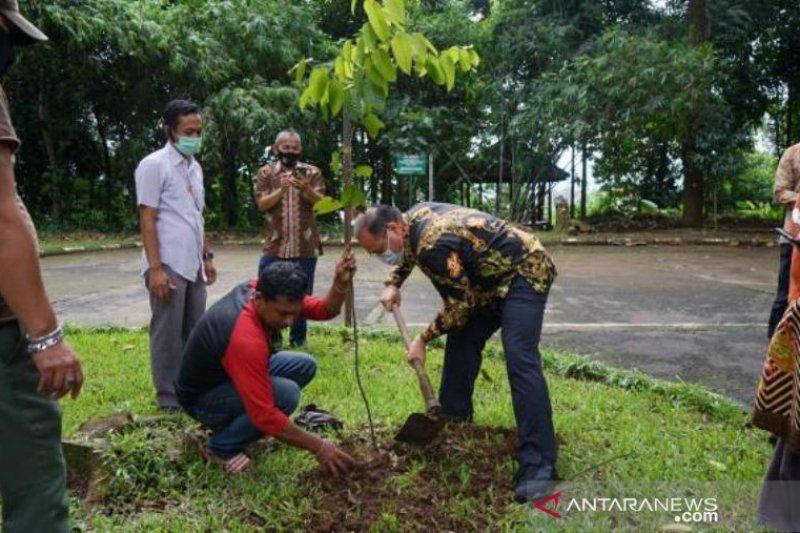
[
  {"x": 377, "y": 218},
  {"x": 177, "y": 109},
  {"x": 282, "y": 278}
]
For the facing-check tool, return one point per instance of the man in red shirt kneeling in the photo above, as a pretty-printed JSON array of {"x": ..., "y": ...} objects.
[{"x": 231, "y": 381}]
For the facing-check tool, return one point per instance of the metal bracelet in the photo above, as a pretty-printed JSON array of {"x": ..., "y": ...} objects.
[{"x": 39, "y": 344}]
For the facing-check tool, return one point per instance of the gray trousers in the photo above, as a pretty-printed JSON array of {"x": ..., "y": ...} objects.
[{"x": 170, "y": 324}]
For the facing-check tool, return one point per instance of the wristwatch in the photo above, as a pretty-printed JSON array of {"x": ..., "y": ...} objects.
[{"x": 208, "y": 256}]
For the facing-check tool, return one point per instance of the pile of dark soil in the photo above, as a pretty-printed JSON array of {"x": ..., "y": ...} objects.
[{"x": 470, "y": 465}]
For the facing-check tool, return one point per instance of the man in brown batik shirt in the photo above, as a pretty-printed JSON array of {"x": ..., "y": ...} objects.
[
  {"x": 286, "y": 192},
  {"x": 787, "y": 181}
]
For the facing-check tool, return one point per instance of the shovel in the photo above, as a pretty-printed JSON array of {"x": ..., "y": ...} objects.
[{"x": 419, "y": 428}]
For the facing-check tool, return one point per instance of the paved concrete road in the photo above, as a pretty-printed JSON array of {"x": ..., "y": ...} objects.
[{"x": 682, "y": 313}]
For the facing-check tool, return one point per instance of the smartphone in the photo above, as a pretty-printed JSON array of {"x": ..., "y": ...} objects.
[{"x": 786, "y": 235}]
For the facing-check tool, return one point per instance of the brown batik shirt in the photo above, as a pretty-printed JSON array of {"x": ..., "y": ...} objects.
[
  {"x": 787, "y": 182},
  {"x": 471, "y": 258},
  {"x": 9, "y": 137},
  {"x": 291, "y": 228}
]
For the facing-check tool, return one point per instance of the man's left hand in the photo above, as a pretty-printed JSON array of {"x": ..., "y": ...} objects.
[
  {"x": 210, "y": 271},
  {"x": 416, "y": 350}
]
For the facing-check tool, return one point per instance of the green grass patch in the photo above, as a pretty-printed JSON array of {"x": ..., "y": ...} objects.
[{"x": 622, "y": 434}]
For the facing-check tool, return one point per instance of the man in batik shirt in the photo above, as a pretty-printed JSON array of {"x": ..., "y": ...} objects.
[
  {"x": 286, "y": 192},
  {"x": 491, "y": 276},
  {"x": 787, "y": 180}
]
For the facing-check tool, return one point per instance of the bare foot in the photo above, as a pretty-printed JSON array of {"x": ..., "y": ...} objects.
[{"x": 232, "y": 465}]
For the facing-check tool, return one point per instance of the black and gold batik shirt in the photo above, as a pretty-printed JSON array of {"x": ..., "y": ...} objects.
[{"x": 471, "y": 258}]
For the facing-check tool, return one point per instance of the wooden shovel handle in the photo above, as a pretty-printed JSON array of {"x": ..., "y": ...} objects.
[{"x": 431, "y": 403}]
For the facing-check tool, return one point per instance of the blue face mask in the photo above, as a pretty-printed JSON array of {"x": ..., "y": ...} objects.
[
  {"x": 390, "y": 257},
  {"x": 189, "y": 146}
]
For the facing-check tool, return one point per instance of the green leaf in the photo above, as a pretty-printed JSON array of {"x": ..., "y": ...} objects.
[
  {"x": 300, "y": 70},
  {"x": 305, "y": 98},
  {"x": 383, "y": 63},
  {"x": 449, "y": 68},
  {"x": 474, "y": 57},
  {"x": 363, "y": 171},
  {"x": 339, "y": 68},
  {"x": 373, "y": 125},
  {"x": 369, "y": 36},
  {"x": 424, "y": 44},
  {"x": 373, "y": 73},
  {"x": 403, "y": 48},
  {"x": 377, "y": 19},
  {"x": 395, "y": 11},
  {"x": 335, "y": 96},
  {"x": 326, "y": 205},
  {"x": 464, "y": 60},
  {"x": 353, "y": 6},
  {"x": 353, "y": 197},
  {"x": 435, "y": 70},
  {"x": 318, "y": 82}
]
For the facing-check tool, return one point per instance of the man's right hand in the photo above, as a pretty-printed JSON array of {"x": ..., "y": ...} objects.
[
  {"x": 390, "y": 297},
  {"x": 59, "y": 371},
  {"x": 158, "y": 283},
  {"x": 333, "y": 459}
]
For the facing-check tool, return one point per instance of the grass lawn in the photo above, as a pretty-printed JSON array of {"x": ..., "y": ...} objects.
[{"x": 622, "y": 435}]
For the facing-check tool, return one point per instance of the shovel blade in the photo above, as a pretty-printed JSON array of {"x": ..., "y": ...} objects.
[{"x": 419, "y": 429}]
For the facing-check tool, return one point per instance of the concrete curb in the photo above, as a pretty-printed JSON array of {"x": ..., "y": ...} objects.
[{"x": 553, "y": 241}]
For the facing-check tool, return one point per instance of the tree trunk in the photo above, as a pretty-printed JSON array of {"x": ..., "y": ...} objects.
[
  {"x": 49, "y": 146},
  {"x": 347, "y": 176},
  {"x": 101, "y": 131},
  {"x": 692, "y": 174},
  {"x": 661, "y": 176},
  {"x": 692, "y": 185},
  {"x": 386, "y": 180},
  {"x": 790, "y": 115},
  {"x": 572, "y": 184},
  {"x": 502, "y": 162},
  {"x": 230, "y": 198},
  {"x": 583, "y": 181},
  {"x": 700, "y": 21}
]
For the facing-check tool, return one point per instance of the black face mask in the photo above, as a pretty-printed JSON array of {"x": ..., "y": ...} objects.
[
  {"x": 6, "y": 52},
  {"x": 288, "y": 159}
]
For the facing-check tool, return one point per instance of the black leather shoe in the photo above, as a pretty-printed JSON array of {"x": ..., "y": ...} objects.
[{"x": 535, "y": 483}]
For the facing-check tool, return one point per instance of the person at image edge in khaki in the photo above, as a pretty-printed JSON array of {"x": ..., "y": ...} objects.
[{"x": 37, "y": 366}]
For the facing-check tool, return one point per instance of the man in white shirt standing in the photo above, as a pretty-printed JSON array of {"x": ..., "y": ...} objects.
[{"x": 176, "y": 262}]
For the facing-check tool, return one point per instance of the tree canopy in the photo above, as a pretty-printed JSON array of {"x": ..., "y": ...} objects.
[{"x": 666, "y": 99}]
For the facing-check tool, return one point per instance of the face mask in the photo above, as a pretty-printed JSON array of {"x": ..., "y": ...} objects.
[
  {"x": 288, "y": 159},
  {"x": 6, "y": 52},
  {"x": 189, "y": 146},
  {"x": 391, "y": 258}
]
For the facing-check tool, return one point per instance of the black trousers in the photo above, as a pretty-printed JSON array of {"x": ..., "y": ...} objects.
[{"x": 782, "y": 295}]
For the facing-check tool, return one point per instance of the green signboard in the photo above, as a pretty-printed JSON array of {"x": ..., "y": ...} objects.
[{"x": 411, "y": 164}]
